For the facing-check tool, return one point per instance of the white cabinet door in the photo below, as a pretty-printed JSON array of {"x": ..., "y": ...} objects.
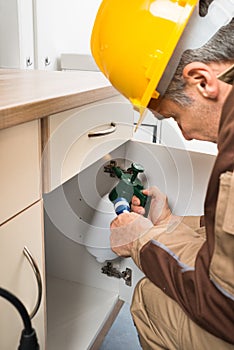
[
  {"x": 62, "y": 27},
  {"x": 16, "y": 34},
  {"x": 182, "y": 175},
  {"x": 17, "y": 276},
  {"x": 20, "y": 168},
  {"x": 34, "y": 33}
]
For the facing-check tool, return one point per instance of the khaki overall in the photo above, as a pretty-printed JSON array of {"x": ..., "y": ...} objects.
[{"x": 160, "y": 321}]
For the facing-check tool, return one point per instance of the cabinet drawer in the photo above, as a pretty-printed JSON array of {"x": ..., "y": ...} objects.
[
  {"x": 19, "y": 176},
  {"x": 70, "y": 148},
  {"x": 16, "y": 274}
]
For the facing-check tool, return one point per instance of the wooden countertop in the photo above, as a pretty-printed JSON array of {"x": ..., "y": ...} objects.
[{"x": 30, "y": 94}]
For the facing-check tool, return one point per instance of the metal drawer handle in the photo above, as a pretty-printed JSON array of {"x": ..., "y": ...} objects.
[
  {"x": 108, "y": 131},
  {"x": 36, "y": 271}
]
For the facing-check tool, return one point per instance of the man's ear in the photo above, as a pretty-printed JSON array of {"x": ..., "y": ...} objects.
[{"x": 203, "y": 78}]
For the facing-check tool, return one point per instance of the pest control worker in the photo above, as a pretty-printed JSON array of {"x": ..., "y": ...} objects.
[{"x": 163, "y": 55}]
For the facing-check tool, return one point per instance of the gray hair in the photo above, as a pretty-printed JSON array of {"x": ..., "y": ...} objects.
[
  {"x": 203, "y": 7},
  {"x": 220, "y": 48}
]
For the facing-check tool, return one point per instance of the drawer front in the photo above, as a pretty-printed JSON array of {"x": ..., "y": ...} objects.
[
  {"x": 17, "y": 276},
  {"x": 70, "y": 149},
  {"x": 20, "y": 174}
]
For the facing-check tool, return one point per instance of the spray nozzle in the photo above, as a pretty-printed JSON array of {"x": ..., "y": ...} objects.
[{"x": 136, "y": 169}]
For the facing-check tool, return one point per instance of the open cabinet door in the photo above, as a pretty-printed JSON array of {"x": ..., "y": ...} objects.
[{"x": 182, "y": 175}]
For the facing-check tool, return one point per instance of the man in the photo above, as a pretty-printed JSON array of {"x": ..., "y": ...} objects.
[{"x": 186, "y": 300}]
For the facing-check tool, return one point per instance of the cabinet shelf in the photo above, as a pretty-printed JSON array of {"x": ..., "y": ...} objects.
[{"x": 76, "y": 313}]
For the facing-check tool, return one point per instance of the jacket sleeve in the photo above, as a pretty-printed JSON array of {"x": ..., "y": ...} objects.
[{"x": 182, "y": 237}]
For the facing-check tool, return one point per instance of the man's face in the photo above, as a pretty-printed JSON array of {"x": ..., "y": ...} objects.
[{"x": 200, "y": 120}]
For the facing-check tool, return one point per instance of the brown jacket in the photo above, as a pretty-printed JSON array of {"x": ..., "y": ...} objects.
[{"x": 206, "y": 292}]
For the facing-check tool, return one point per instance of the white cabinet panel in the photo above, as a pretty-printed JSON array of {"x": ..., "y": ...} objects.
[
  {"x": 16, "y": 34},
  {"x": 34, "y": 33},
  {"x": 16, "y": 274},
  {"x": 20, "y": 168},
  {"x": 63, "y": 26},
  {"x": 182, "y": 175}
]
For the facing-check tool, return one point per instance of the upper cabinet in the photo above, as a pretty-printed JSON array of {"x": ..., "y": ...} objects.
[
  {"x": 16, "y": 34},
  {"x": 62, "y": 27},
  {"x": 34, "y": 33}
]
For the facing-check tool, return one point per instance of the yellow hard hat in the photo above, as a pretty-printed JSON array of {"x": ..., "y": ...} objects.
[{"x": 133, "y": 41}]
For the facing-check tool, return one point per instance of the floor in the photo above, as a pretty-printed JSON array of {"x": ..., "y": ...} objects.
[{"x": 122, "y": 334}]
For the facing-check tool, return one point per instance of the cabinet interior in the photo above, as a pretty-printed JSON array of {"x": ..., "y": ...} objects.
[{"x": 79, "y": 296}]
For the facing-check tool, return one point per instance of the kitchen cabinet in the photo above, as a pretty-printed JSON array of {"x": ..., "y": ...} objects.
[
  {"x": 34, "y": 33},
  {"x": 31, "y": 97},
  {"x": 61, "y": 131},
  {"x": 78, "y": 213},
  {"x": 21, "y": 227},
  {"x": 17, "y": 276},
  {"x": 16, "y": 34},
  {"x": 20, "y": 168},
  {"x": 61, "y": 27}
]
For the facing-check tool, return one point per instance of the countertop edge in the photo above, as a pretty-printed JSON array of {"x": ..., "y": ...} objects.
[{"x": 19, "y": 114}]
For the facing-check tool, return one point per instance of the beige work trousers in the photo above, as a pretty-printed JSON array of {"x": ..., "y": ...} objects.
[
  {"x": 162, "y": 324},
  {"x": 160, "y": 321}
]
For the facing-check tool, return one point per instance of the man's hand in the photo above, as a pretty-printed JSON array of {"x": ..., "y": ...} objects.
[
  {"x": 159, "y": 210},
  {"x": 125, "y": 229},
  {"x": 128, "y": 227}
]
